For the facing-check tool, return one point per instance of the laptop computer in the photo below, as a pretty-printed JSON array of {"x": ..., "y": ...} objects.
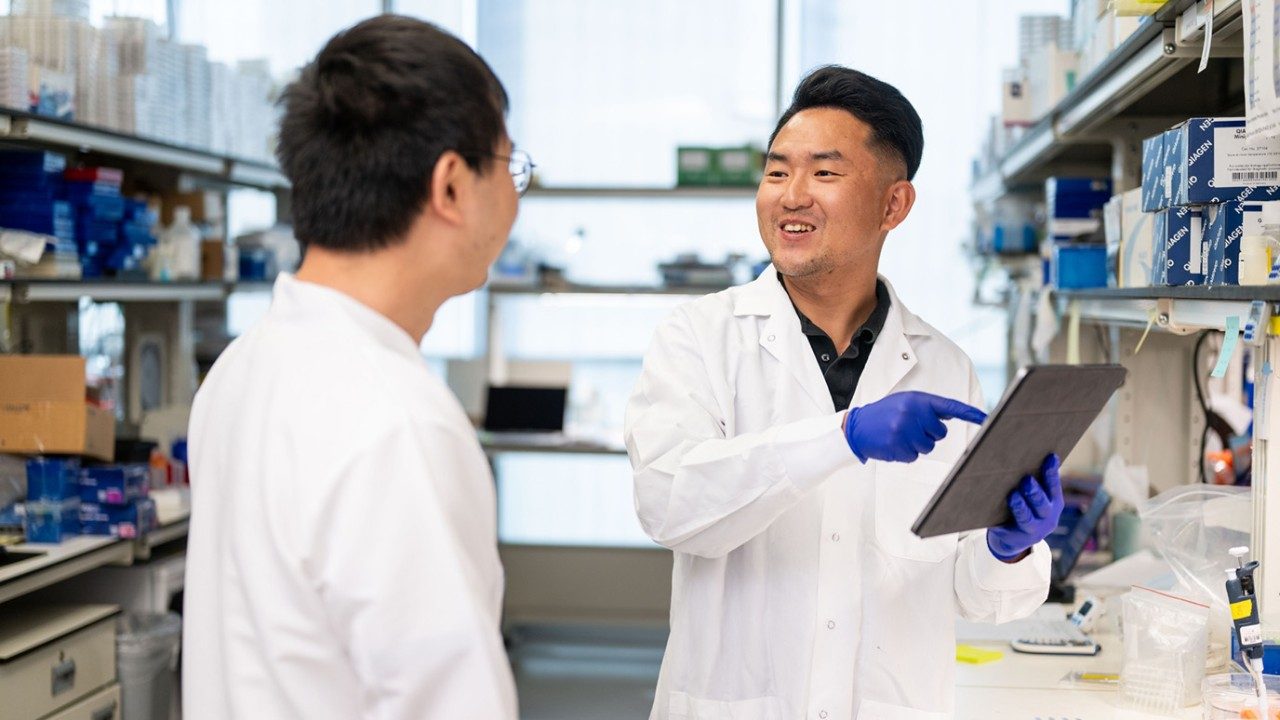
[{"x": 526, "y": 413}]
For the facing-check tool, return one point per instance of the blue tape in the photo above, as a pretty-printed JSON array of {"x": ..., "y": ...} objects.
[{"x": 1228, "y": 347}]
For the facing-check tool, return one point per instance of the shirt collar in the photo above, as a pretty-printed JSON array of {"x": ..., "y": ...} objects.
[
  {"x": 306, "y": 300},
  {"x": 869, "y": 331}
]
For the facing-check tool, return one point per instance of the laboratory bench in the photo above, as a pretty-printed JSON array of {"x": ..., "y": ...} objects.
[
  {"x": 29, "y": 567},
  {"x": 1022, "y": 686}
]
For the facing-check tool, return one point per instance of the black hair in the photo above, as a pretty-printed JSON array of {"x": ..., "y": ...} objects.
[
  {"x": 895, "y": 126},
  {"x": 367, "y": 120}
]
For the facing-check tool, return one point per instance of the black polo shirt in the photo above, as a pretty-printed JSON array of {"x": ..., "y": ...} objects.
[{"x": 842, "y": 372}]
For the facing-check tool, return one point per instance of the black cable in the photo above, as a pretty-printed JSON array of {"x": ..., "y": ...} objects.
[{"x": 1204, "y": 405}]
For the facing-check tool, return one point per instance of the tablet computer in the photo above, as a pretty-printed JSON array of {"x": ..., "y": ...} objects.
[{"x": 1046, "y": 409}]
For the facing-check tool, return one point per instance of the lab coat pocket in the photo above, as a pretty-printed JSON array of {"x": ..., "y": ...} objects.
[
  {"x": 873, "y": 710},
  {"x": 682, "y": 706},
  {"x": 902, "y": 491}
]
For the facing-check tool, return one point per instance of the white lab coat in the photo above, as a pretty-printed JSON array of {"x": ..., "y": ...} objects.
[
  {"x": 342, "y": 561},
  {"x": 799, "y": 590}
]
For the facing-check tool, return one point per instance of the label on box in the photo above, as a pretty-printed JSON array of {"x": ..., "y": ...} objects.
[
  {"x": 1199, "y": 260},
  {"x": 1240, "y": 161}
]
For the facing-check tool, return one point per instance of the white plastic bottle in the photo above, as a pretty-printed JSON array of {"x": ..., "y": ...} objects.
[
  {"x": 184, "y": 245},
  {"x": 1256, "y": 258}
]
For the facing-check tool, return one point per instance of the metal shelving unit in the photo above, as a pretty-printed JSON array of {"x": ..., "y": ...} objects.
[
  {"x": 22, "y": 128},
  {"x": 1147, "y": 84},
  {"x": 646, "y": 193},
  {"x": 1077, "y": 131},
  {"x": 1178, "y": 309},
  {"x": 581, "y": 289}
]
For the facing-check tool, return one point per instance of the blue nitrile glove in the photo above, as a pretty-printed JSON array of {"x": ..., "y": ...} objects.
[
  {"x": 1036, "y": 506},
  {"x": 903, "y": 426}
]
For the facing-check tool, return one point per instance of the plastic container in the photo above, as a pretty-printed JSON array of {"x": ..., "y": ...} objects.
[
  {"x": 147, "y": 661},
  {"x": 1233, "y": 696},
  {"x": 1255, "y": 259},
  {"x": 183, "y": 241}
]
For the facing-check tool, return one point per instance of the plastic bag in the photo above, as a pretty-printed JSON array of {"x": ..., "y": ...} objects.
[
  {"x": 1165, "y": 641},
  {"x": 1193, "y": 528}
]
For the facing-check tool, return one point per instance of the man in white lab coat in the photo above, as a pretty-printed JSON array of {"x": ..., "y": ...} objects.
[
  {"x": 343, "y": 561},
  {"x": 786, "y": 433}
]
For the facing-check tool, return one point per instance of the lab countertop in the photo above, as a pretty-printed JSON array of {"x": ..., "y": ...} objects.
[{"x": 1039, "y": 687}]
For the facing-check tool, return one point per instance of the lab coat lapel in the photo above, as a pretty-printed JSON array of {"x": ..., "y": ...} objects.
[
  {"x": 780, "y": 335},
  {"x": 892, "y": 356}
]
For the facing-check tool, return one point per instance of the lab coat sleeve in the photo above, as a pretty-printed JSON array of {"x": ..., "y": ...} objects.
[
  {"x": 393, "y": 575},
  {"x": 696, "y": 490},
  {"x": 988, "y": 589}
]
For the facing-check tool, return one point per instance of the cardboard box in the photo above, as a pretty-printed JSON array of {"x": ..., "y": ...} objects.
[
  {"x": 1051, "y": 75},
  {"x": 43, "y": 409},
  {"x": 1181, "y": 255},
  {"x": 1015, "y": 100},
  {"x": 1137, "y": 241},
  {"x": 1211, "y": 161},
  {"x": 695, "y": 166}
]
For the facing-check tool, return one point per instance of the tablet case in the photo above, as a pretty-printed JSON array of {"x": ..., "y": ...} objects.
[{"x": 1046, "y": 409}]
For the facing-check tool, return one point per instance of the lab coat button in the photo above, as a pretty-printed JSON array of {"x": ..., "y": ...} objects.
[
  {"x": 835, "y": 537},
  {"x": 906, "y": 356},
  {"x": 771, "y": 337},
  {"x": 822, "y": 713},
  {"x": 831, "y": 624}
]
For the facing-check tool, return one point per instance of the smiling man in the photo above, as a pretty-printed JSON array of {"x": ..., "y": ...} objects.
[{"x": 786, "y": 433}]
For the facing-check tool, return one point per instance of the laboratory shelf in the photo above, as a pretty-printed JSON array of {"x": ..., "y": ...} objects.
[
  {"x": 584, "y": 289},
  {"x": 553, "y": 443},
  {"x": 691, "y": 193},
  {"x": 1179, "y": 309},
  {"x": 166, "y": 533},
  {"x": 34, "y": 290},
  {"x": 56, "y": 563},
  {"x": 22, "y": 128},
  {"x": 1075, "y": 133}
]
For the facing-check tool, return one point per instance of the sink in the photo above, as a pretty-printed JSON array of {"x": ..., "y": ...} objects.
[{"x": 9, "y": 557}]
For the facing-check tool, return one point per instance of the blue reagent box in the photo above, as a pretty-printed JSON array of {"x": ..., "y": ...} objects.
[
  {"x": 1079, "y": 266},
  {"x": 52, "y": 521},
  {"x": 1212, "y": 161},
  {"x": 114, "y": 484},
  {"x": 52, "y": 479},
  {"x": 123, "y": 521},
  {"x": 1182, "y": 254},
  {"x": 1154, "y": 185}
]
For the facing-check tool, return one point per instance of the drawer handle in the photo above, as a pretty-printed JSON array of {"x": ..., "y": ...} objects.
[
  {"x": 106, "y": 713},
  {"x": 64, "y": 676}
]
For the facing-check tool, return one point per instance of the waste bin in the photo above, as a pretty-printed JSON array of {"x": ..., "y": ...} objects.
[{"x": 147, "y": 663}]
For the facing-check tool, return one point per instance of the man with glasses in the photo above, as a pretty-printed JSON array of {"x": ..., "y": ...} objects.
[{"x": 343, "y": 561}]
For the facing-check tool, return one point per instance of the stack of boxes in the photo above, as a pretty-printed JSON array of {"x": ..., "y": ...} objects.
[
  {"x": 32, "y": 199},
  {"x": 1205, "y": 184},
  {"x": 115, "y": 500},
  {"x": 129, "y": 78},
  {"x": 65, "y": 500},
  {"x": 93, "y": 230},
  {"x": 1074, "y": 214}
]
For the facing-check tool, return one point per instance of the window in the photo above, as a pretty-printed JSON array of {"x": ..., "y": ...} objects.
[{"x": 603, "y": 93}]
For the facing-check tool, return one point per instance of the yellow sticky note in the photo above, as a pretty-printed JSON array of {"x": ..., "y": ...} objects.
[{"x": 976, "y": 656}]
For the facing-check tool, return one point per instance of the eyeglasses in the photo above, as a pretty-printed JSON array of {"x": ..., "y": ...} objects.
[{"x": 519, "y": 164}]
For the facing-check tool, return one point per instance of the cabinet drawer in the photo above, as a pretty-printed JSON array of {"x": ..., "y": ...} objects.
[
  {"x": 63, "y": 668},
  {"x": 102, "y": 705}
]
